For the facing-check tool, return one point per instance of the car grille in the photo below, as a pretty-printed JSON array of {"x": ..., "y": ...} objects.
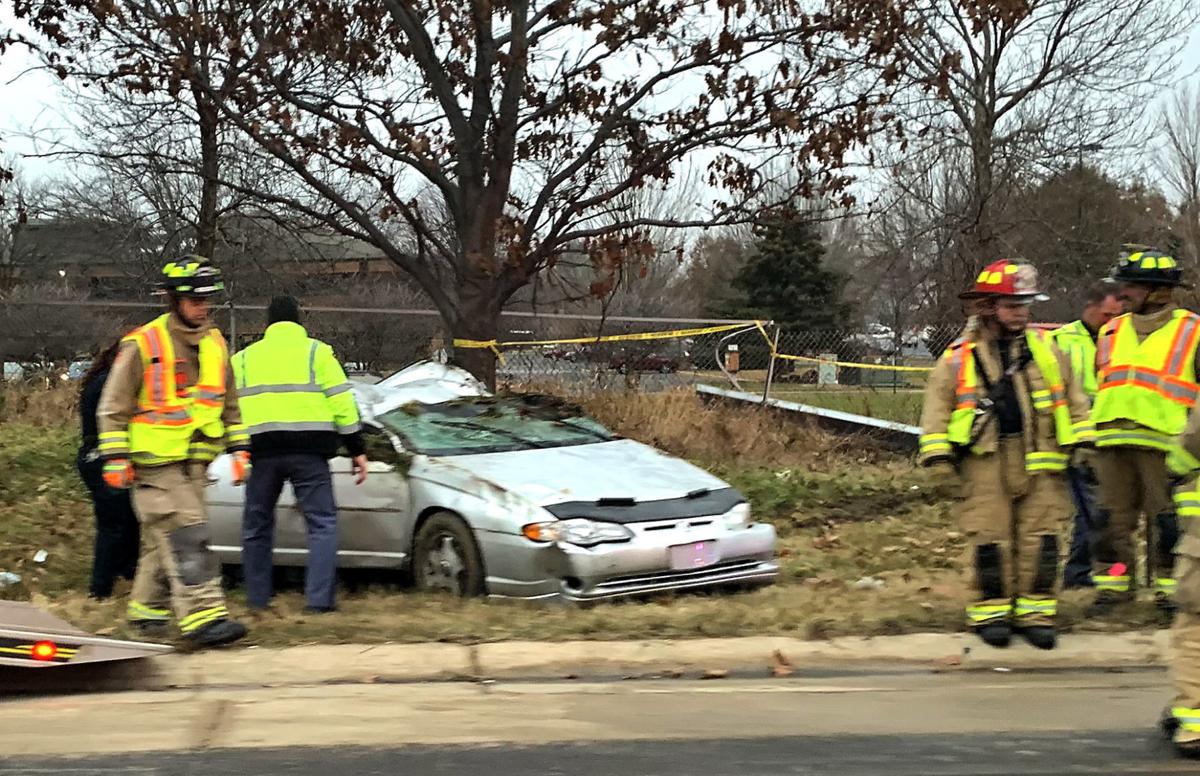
[
  {"x": 669, "y": 525},
  {"x": 637, "y": 581}
]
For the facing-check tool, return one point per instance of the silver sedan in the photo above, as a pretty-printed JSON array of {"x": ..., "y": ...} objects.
[{"x": 516, "y": 496}]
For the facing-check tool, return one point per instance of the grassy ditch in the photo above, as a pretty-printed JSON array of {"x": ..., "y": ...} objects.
[{"x": 867, "y": 543}]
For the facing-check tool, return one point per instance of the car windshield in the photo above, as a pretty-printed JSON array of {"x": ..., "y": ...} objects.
[{"x": 492, "y": 425}]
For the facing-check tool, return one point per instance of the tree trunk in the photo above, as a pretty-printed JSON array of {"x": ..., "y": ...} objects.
[
  {"x": 478, "y": 318},
  {"x": 206, "y": 217}
]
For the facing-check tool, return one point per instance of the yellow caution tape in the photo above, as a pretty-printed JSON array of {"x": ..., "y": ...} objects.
[
  {"x": 640, "y": 336},
  {"x": 495, "y": 345}
]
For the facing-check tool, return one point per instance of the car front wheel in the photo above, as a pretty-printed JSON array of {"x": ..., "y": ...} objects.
[{"x": 446, "y": 557}]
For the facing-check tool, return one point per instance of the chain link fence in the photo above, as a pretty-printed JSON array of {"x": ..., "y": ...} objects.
[{"x": 874, "y": 371}]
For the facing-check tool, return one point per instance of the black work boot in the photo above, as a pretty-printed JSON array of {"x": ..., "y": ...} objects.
[
  {"x": 1106, "y": 601},
  {"x": 151, "y": 629},
  {"x": 1189, "y": 750},
  {"x": 996, "y": 634},
  {"x": 1041, "y": 636},
  {"x": 216, "y": 633},
  {"x": 1168, "y": 723},
  {"x": 1166, "y": 607}
]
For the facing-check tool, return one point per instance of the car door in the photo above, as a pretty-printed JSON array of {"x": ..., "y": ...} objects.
[{"x": 373, "y": 518}]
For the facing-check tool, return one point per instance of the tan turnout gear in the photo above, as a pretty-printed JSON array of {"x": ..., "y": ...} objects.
[
  {"x": 1130, "y": 461},
  {"x": 1014, "y": 505},
  {"x": 1185, "y": 635},
  {"x": 177, "y": 563}
]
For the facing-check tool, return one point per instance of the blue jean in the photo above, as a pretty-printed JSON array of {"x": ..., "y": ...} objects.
[
  {"x": 313, "y": 486},
  {"x": 1088, "y": 519}
]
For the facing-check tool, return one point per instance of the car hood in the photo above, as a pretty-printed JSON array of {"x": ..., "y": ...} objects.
[{"x": 622, "y": 468}]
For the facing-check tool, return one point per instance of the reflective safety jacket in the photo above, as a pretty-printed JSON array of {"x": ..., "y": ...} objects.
[
  {"x": 1148, "y": 383},
  {"x": 166, "y": 399},
  {"x": 1077, "y": 344},
  {"x": 294, "y": 395},
  {"x": 1054, "y": 409}
]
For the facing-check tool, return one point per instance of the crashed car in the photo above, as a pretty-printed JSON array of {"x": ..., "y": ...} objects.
[{"x": 516, "y": 496}]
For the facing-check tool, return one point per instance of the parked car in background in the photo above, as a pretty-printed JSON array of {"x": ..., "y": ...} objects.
[
  {"x": 516, "y": 496},
  {"x": 647, "y": 362},
  {"x": 77, "y": 369},
  {"x": 561, "y": 353}
]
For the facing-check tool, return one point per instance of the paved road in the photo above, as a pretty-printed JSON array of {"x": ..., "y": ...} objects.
[
  {"x": 1114, "y": 754},
  {"x": 904, "y": 723}
]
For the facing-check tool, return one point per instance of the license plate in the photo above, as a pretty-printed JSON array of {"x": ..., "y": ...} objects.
[{"x": 695, "y": 555}]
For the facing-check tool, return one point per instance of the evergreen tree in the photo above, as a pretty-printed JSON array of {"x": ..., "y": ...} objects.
[{"x": 784, "y": 279}]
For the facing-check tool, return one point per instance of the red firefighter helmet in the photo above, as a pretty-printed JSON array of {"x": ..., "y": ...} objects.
[{"x": 1009, "y": 278}]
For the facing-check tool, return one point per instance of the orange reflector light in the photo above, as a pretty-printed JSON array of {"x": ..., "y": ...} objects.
[
  {"x": 536, "y": 532},
  {"x": 45, "y": 650}
]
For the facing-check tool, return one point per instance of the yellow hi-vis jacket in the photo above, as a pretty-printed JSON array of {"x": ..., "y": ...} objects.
[
  {"x": 288, "y": 381},
  {"x": 1150, "y": 383},
  {"x": 1054, "y": 410},
  {"x": 173, "y": 423},
  {"x": 1077, "y": 344}
]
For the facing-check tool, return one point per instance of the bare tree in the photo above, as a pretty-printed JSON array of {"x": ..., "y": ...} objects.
[
  {"x": 512, "y": 111},
  {"x": 144, "y": 79},
  {"x": 1179, "y": 164},
  {"x": 1022, "y": 87},
  {"x": 41, "y": 334}
]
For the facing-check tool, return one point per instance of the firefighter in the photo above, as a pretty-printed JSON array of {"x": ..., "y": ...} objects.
[
  {"x": 1182, "y": 717},
  {"x": 1077, "y": 340},
  {"x": 1003, "y": 403},
  {"x": 167, "y": 410},
  {"x": 1145, "y": 362}
]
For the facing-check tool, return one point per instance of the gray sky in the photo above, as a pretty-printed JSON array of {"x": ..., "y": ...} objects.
[{"x": 32, "y": 99}]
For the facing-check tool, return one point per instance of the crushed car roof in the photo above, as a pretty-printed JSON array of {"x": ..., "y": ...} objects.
[{"x": 427, "y": 382}]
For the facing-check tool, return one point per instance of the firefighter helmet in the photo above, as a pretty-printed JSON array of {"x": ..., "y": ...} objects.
[
  {"x": 191, "y": 276},
  {"x": 1147, "y": 266},
  {"x": 1007, "y": 278}
]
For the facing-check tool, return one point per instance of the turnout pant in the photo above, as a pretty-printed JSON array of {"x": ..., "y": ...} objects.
[
  {"x": 1011, "y": 520},
  {"x": 177, "y": 566},
  {"x": 313, "y": 486},
  {"x": 1185, "y": 649},
  {"x": 1133, "y": 482}
]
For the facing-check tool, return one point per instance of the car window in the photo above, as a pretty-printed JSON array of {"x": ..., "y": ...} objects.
[
  {"x": 492, "y": 425},
  {"x": 378, "y": 447}
]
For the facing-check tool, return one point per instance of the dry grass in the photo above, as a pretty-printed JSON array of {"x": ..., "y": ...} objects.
[
  {"x": 722, "y": 435},
  {"x": 844, "y": 513},
  {"x": 33, "y": 404}
]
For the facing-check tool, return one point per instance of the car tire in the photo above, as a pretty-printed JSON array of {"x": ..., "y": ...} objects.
[{"x": 446, "y": 557}]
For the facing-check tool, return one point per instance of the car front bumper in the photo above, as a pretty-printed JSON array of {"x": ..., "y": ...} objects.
[{"x": 640, "y": 566}]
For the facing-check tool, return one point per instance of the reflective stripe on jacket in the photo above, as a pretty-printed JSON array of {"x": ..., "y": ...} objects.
[
  {"x": 1151, "y": 382},
  {"x": 288, "y": 381},
  {"x": 168, "y": 416},
  {"x": 1053, "y": 406},
  {"x": 1076, "y": 343}
]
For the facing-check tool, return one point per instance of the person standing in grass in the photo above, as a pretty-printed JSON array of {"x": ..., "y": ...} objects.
[
  {"x": 117, "y": 534},
  {"x": 298, "y": 409},
  {"x": 1077, "y": 340},
  {"x": 1003, "y": 404}
]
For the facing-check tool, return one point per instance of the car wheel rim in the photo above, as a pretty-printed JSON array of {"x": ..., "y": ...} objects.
[{"x": 444, "y": 566}]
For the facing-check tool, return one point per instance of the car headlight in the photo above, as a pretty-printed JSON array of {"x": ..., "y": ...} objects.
[
  {"x": 738, "y": 517},
  {"x": 577, "y": 530}
]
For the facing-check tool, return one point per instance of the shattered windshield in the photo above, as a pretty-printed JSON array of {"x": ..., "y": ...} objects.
[{"x": 493, "y": 425}]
